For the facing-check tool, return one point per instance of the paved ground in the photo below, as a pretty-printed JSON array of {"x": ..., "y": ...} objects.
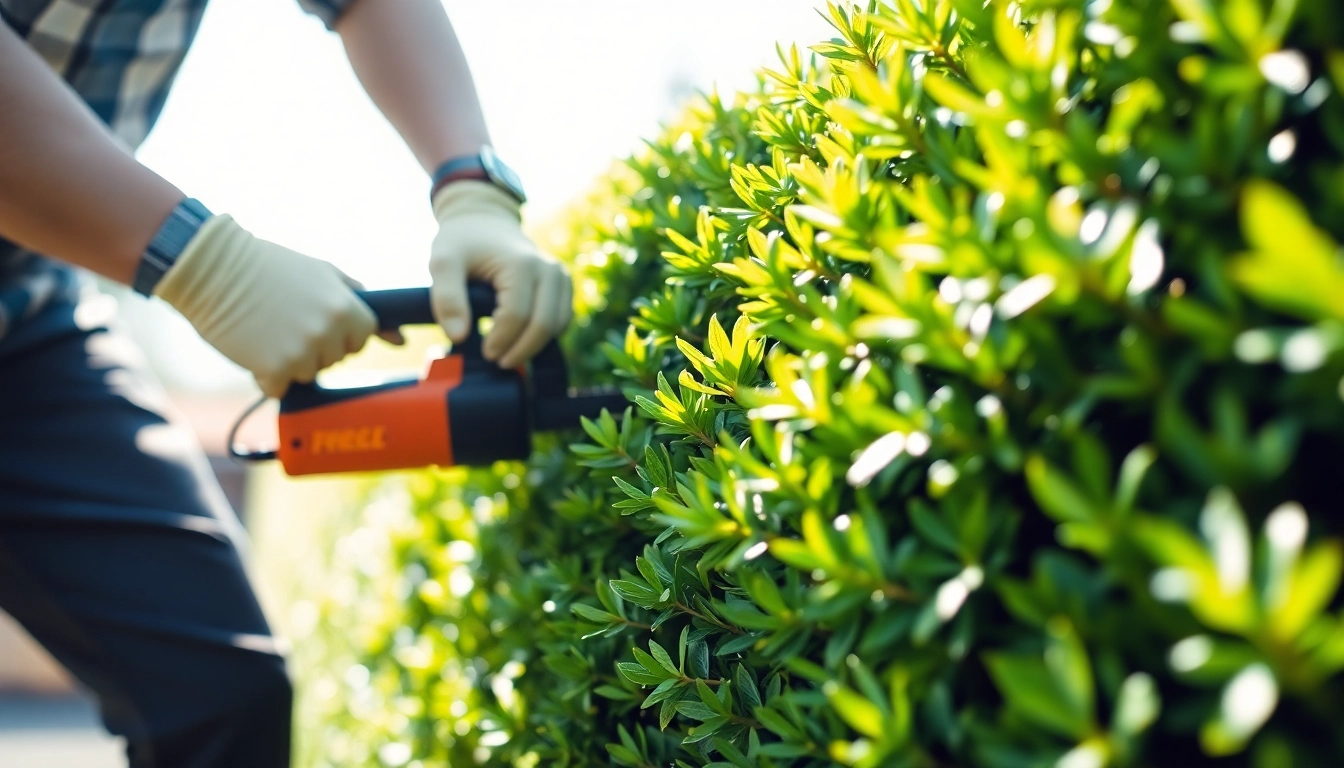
[{"x": 54, "y": 732}]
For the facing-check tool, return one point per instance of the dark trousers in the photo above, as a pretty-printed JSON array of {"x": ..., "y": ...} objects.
[{"x": 119, "y": 553}]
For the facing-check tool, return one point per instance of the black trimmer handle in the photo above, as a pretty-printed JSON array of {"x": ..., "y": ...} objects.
[{"x": 399, "y": 307}]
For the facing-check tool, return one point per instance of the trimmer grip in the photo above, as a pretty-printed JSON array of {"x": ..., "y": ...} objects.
[
  {"x": 412, "y": 306},
  {"x": 399, "y": 306}
]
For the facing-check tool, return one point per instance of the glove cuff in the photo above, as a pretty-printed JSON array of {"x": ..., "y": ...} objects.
[
  {"x": 468, "y": 196},
  {"x": 204, "y": 270}
]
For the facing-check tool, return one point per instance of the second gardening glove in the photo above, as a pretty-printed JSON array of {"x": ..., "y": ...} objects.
[
  {"x": 480, "y": 237},
  {"x": 279, "y": 314}
]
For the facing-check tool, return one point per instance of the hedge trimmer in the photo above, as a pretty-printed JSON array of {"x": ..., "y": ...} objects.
[{"x": 465, "y": 411}]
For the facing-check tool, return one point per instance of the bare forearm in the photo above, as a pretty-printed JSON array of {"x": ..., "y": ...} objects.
[
  {"x": 410, "y": 63},
  {"x": 68, "y": 189}
]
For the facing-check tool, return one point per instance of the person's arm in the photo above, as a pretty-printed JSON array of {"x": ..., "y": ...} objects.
[
  {"x": 68, "y": 188},
  {"x": 408, "y": 59}
]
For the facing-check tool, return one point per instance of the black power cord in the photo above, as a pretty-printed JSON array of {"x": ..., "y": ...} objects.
[{"x": 247, "y": 456}]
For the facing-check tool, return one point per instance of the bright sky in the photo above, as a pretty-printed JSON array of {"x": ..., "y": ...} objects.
[{"x": 268, "y": 123}]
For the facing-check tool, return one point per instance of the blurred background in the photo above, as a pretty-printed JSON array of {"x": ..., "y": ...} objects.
[{"x": 268, "y": 123}]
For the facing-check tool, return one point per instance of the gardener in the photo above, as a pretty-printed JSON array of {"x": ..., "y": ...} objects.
[{"x": 117, "y": 550}]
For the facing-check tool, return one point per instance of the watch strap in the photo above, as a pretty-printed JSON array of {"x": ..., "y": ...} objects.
[
  {"x": 484, "y": 165},
  {"x": 475, "y": 172},
  {"x": 458, "y": 165},
  {"x": 168, "y": 243}
]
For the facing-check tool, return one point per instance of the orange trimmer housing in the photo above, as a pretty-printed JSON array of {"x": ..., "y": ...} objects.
[
  {"x": 391, "y": 428},
  {"x": 466, "y": 410}
]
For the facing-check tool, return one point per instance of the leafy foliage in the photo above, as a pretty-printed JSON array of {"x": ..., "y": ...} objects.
[{"x": 987, "y": 382}]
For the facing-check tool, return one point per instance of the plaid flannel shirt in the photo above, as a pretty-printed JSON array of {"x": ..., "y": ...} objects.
[{"x": 120, "y": 56}]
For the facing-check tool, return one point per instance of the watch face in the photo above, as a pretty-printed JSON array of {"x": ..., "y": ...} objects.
[{"x": 501, "y": 174}]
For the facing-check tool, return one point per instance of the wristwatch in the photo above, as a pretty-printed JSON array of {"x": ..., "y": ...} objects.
[
  {"x": 168, "y": 243},
  {"x": 482, "y": 166}
]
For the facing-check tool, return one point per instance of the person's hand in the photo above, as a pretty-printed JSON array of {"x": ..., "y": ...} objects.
[
  {"x": 480, "y": 238},
  {"x": 279, "y": 314}
]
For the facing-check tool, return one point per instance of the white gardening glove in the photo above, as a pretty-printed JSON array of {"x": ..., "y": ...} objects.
[
  {"x": 480, "y": 237},
  {"x": 279, "y": 314}
]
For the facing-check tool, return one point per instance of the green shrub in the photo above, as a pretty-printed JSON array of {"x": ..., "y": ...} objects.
[{"x": 988, "y": 373}]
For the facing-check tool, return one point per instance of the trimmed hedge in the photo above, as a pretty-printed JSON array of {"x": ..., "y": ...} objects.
[{"x": 988, "y": 384}]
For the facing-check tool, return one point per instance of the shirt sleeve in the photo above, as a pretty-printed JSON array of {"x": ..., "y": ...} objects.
[{"x": 326, "y": 10}]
